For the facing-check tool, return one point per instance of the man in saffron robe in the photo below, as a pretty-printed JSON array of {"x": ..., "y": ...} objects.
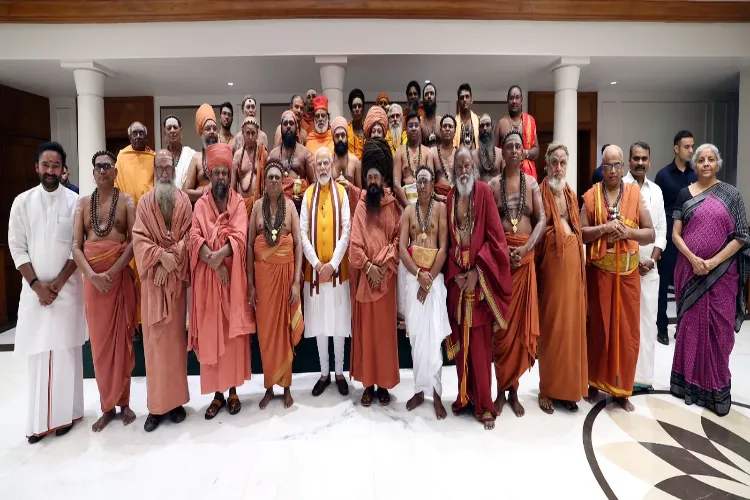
[
  {"x": 376, "y": 123},
  {"x": 307, "y": 121},
  {"x": 614, "y": 222},
  {"x": 249, "y": 110},
  {"x": 479, "y": 286},
  {"x": 274, "y": 266},
  {"x": 396, "y": 134},
  {"x": 383, "y": 101},
  {"x": 161, "y": 237},
  {"x": 346, "y": 166},
  {"x": 523, "y": 123},
  {"x": 102, "y": 250},
  {"x": 374, "y": 253},
  {"x": 520, "y": 205},
  {"x": 321, "y": 136},
  {"x": 296, "y": 161},
  {"x": 220, "y": 318},
  {"x": 248, "y": 164},
  {"x": 197, "y": 181},
  {"x": 467, "y": 129},
  {"x": 563, "y": 369},
  {"x": 355, "y": 129}
]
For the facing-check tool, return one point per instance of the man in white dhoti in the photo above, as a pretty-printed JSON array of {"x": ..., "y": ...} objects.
[
  {"x": 423, "y": 245},
  {"x": 51, "y": 324},
  {"x": 640, "y": 161},
  {"x": 181, "y": 154},
  {"x": 324, "y": 226}
]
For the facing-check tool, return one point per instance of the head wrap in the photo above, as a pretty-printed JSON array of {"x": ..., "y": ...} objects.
[
  {"x": 382, "y": 95},
  {"x": 337, "y": 122},
  {"x": 375, "y": 115},
  {"x": 354, "y": 94},
  {"x": 320, "y": 102},
  {"x": 203, "y": 115},
  {"x": 218, "y": 155},
  {"x": 377, "y": 154},
  {"x": 395, "y": 107}
]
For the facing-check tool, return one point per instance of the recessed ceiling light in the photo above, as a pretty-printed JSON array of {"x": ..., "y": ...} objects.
[
  {"x": 611, "y": 83},
  {"x": 230, "y": 84}
]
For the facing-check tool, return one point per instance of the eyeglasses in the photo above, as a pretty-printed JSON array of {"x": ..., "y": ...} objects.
[
  {"x": 608, "y": 167},
  {"x": 103, "y": 167},
  {"x": 423, "y": 182}
]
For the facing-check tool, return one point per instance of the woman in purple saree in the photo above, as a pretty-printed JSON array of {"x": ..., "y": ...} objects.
[{"x": 711, "y": 234}]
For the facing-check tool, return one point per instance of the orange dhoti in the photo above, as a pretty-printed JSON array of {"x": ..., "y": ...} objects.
[
  {"x": 111, "y": 318},
  {"x": 514, "y": 350},
  {"x": 280, "y": 325}
]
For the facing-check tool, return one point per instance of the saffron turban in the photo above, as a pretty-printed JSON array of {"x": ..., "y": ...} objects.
[
  {"x": 337, "y": 122},
  {"x": 320, "y": 102},
  {"x": 203, "y": 115},
  {"x": 382, "y": 95},
  {"x": 218, "y": 155},
  {"x": 375, "y": 115}
]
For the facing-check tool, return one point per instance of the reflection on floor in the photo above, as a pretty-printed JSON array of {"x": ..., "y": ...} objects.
[{"x": 332, "y": 448}]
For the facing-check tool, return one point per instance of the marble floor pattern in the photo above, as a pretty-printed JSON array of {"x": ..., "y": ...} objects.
[{"x": 332, "y": 448}]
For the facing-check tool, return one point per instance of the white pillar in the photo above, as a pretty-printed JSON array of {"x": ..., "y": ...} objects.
[
  {"x": 89, "y": 78},
  {"x": 332, "y": 76},
  {"x": 743, "y": 137},
  {"x": 566, "y": 72}
]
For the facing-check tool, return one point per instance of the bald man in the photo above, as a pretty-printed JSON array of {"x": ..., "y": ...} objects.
[{"x": 614, "y": 222}]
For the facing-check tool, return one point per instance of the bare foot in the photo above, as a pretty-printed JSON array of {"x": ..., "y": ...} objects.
[
  {"x": 625, "y": 404},
  {"x": 266, "y": 399},
  {"x": 440, "y": 412},
  {"x": 128, "y": 417},
  {"x": 593, "y": 395},
  {"x": 288, "y": 401},
  {"x": 104, "y": 420},
  {"x": 515, "y": 404},
  {"x": 415, "y": 401},
  {"x": 489, "y": 425},
  {"x": 499, "y": 402}
]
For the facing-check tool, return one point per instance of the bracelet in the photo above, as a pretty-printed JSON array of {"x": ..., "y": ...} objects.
[
  {"x": 416, "y": 275},
  {"x": 31, "y": 283}
]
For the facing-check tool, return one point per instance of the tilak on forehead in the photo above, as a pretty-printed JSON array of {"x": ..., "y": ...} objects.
[
  {"x": 290, "y": 113},
  {"x": 512, "y": 136},
  {"x": 424, "y": 172}
]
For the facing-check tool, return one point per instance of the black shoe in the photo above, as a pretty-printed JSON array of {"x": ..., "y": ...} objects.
[
  {"x": 152, "y": 422},
  {"x": 35, "y": 439},
  {"x": 178, "y": 415},
  {"x": 662, "y": 338},
  {"x": 342, "y": 386},
  {"x": 321, "y": 385},
  {"x": 64, "y": 430}
]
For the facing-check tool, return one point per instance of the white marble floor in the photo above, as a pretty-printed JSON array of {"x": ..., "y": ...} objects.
[{"x": 330, "y": 447}]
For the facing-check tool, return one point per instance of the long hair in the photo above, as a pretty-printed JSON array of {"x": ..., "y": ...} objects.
[{"x": 377, "y": 154}]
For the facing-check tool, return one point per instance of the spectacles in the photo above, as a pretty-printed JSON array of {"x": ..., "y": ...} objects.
[
  {"x": 607, "y": 167},
  {"x": 103, "y": 167},
  {"x": 423, "y": 182}
]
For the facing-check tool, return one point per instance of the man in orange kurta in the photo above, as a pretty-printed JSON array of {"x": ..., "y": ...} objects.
[
  {"x": 614, "y": 222},
  {"x": 320, "y": 136},
  {"x": 273, "y": 281},
  {"x": 374, "y": 253},
  {"x": 563, "y": 370},
  {"x": 220, "y": 317},
  {"x": 161, "y": 236}
]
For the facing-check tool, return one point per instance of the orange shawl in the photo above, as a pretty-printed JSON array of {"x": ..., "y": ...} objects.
[
  {"x": 596, "y": 209},
  {"x": 554, "y": 222},
  {"x": 260, "y": 162}
]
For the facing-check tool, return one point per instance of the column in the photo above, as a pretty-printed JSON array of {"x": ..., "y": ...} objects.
[
  {"x": 566, "y": 72},
  {"x": 89, "y": 78},
  {"x": 743, "y": 137},
  {"x": 332, "y": 75}
]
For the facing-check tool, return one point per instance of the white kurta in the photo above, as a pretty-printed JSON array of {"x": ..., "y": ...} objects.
[
  {"x": 328, "y": 312},
  {"x": 652, "y": 195},
  {"x": 428, "y": 325},
  {"x": 40, "y": 232},
  {"x": 183, "y": 165}
]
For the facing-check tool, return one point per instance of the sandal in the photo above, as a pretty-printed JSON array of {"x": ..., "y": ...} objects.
[
  {"x": 546, "y": 405},
  {"x": 367, "y": 397},
  {"x": 571, "y": 406},
  {"x": 234, "y": 404},
  {"x": 215, "y": 406},
  {"x": 383, "y": 397}
]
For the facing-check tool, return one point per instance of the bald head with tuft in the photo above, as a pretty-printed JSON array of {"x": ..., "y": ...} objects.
[{"x": 612, "y": 154}]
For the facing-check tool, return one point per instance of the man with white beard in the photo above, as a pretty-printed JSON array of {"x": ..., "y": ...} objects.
[
  {"x": 320, "y": 136},
  {"x": 396, "y": 135},
  {"x": 160, "y": 243},
  {"x": 488, "y": 157},
  {"x": 324, "y": 228}
]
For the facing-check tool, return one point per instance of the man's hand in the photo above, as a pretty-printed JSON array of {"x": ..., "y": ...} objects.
[
  {"x": 425, "y": 279},
  {"x": 471, "y": 279},
  {"x": 422, "y": 295},
  {"x": 645, "y": 266},
  {"x": 516, "y": 255},
  {"x": 223, "y": 274},
  {"x": 102, "y": 281},
  {"x": 325, "y": 272},
  {"x": 375, "y": 275},
  {"x": 294, "y": 293},
  {"x": 160, "y": 276},
  {"x": 168, "y": 261},
  {"x": 45, "y": 291},
  {"x": 214, "y": 259},
  {"x": 251, "y": 298}
]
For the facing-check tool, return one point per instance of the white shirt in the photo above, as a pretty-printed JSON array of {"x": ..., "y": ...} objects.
[
  {"x": 341, "y": 246},
  {"x": 182, "y": 167},
  {"x": 40, "y": 232},
  {"x": 655, "y": 203}
]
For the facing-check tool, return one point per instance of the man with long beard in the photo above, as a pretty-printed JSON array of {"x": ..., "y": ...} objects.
[
  {"x": 102, "y": 248},
  {"x": 296, "y": 107},
  {"x": 198, "y": 181},
  {"x": 396, "y": 135},
  {"x": 320, "y": 136},
  {"x": 429, "y": 123},
  {"x": 248, "y": 164},
  {"x": 445, "y": 152},
  {"x": 422, "y": 248},
  {"x": 220, "y": 317},
  {"x": 479, "y": 286},
  {"x": 226, "y": 118},
  {"x": 408, "y": 158},
  {"x": 274, "y": 266},
  {"x": 488, "y": 157},
  {"x": 355, "y": 129},
  {"x": 374, "y": 253},
  {"x": 249, "y": 110},
  {"x": 413, "y": 91},
  {"x": 525, "y": 125},
  {"x": 325, "y": 225},
  {"x": 519, "y": 202},
  {"x": 296, "y": 160},
  {"x": 563, "y": 370},
  {"x": 161, "y": 237},
  {"x": 346, "y": 166}
]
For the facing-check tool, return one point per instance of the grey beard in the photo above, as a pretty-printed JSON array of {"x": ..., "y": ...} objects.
[
  {"x": 485, "y": 155},
  {"x": 465, "y": 189},
  {"x": 165, "y": 199},
  {"x": 220, "y": 191},
  {"x": 557, "y": 185},
  {"x": 396, "y": 135}
]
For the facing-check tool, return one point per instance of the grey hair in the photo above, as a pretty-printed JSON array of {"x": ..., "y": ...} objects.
[
  {"x": 556, "y": 146},
  {"x": 713, "y": 148},
  {"x": 459, "y": 150},
  {"x": 130, "y": 128},
  {"x": 393, "y": 107}
]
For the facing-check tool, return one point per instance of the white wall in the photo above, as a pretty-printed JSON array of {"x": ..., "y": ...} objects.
[
  {"x": 743, "y": 154},
  {"x": 64, "y": 129},
  {"x": 626, "y": 117}
]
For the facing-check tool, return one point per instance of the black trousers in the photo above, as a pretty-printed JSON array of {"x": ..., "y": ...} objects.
[{"x": 666, "y": 278}]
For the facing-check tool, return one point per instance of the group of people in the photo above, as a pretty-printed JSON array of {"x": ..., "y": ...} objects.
[{"x": 434, "y": 225}]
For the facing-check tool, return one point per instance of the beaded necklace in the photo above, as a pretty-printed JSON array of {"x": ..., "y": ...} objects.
[
  {"x": 288, "y": 166},
  {"x": 271, "y": 228},
  {"x": 94, "y": 212},
  {"x": 521, "y": 206},
  {"x": 419, "y": 160},
  {"x": 423, "y": 225},
  {"x": 613, "y": 211}
]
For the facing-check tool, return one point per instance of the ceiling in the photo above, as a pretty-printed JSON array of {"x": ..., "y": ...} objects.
[{"x": 283, "y": 75}]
